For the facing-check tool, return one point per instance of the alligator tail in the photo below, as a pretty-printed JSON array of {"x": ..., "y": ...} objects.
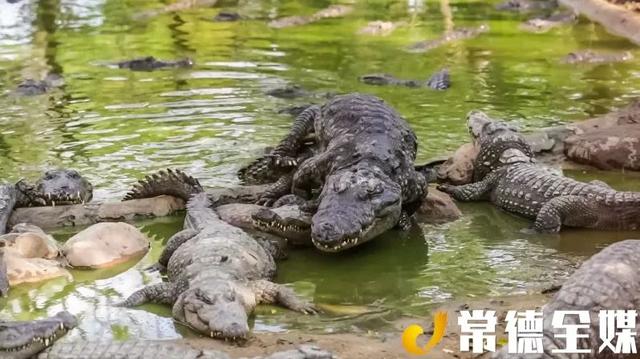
[
  {"x": 166, "y": 182},
  {"x": 259, "y": 171}
]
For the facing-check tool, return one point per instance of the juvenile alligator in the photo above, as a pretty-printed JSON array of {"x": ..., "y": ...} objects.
[
  {"x": 542, "y": 24},
  {"x": 217, "y": 273},
  {"x": 438, "y": 81},
  {"x": 505, "y": 173},
  {"x": 150, "y": 63},
  {"x": 31, "y": 87},
  {"x": 455, "y": 35},
  {"x": 20, "y": 340},
  {"x": 363, "y": 165},
  {"x": 593, "y": 57},
  {"x": 56, "y": 187},
  {"x": 609, "y": 280}
]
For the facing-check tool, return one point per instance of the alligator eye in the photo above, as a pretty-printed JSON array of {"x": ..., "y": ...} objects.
[{"x": 74, "y": 174}]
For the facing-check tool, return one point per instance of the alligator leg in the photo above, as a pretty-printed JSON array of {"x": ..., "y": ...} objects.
[
  {"x": 174, "y": 243},
  {"x": 161, "y": 293},
  {"x": 474, "y": 191},
  {"x": 404, "y": 223},
  {"x": 302, "y": 126},
  {"x": 312, "y": 171},
  {"x": 276, "y": 190},
  {"x": 272, "y": 293},
  {"x": 574, "y": 211},
  {"x": 600, "y": 183}
]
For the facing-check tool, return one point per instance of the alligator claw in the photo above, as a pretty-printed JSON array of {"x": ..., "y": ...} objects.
[
  {"x": 308, "y": 309},
  {"x": 446, "y": 188}
]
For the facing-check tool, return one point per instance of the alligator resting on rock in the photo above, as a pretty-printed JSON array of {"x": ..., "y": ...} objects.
[
  {"x": 505, "y": 173},
  {"x": 610, "y": 280},
  {"x": 363, "y": 165},
  {"x": 56, "y": 187},
  {"x": 217, "y": 273}
]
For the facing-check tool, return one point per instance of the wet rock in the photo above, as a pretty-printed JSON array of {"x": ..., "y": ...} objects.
[
  {"x": 549, "y": 140},
  {"x": 613, "y": 148},
  {"x": 596, "y": 57},
  {"x": 438, "y": 207},
  {"x": 227, "y": 16},
  {"x": 104, "y": 245},
  {"x": 30, "y": 270},
  {"x": 626, "y": 116},
  {"x": 458, "y": 169}
]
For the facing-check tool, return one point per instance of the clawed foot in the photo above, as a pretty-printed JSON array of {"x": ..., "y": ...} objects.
[
  {"x": 306, "y": 308},
  {"x": 265, "y": 201},
  {"x": 282, "y": 160}
]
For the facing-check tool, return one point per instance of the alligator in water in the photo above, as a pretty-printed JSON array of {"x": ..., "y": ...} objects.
[
  {"x": 455, "y": 35},
  {"x": 545, "y": 23},
  {"x": 150, "y": 63},
  {"x": 609, "y": 280},
  {"x": 227, "y": 16},
  {"x": 438, "y": 81},
  {"x": 594, "y": 57},
  {"x": 217, "y": 273},
  {"x": 31, "y": 87},
  {"x": 505, "y": 173},
  {"x": 527, "y": 5},
  {"x": 363, "y": 166},
  {"x": 55, "y": 187}
]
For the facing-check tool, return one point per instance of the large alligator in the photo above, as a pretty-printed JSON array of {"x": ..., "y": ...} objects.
[
  {"x": 438, "y": 81},
  {"x": 217, "y": 273},
  {"x": 505, "y": 173},
  {"x": 55, "y": 187},
  {"x": 455, "y": 35},
  {"x": 363, "y": 166},
  {"x": 610, "y": 280},
  {"x": 20, "y": 340}
]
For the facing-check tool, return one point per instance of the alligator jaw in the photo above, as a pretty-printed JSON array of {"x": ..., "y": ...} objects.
[
  {"x": 349, "y": 241},
  {"x": 26, "y": 339}
]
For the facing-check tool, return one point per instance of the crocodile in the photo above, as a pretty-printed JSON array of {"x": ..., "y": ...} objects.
[
  {"x": 527, "y": 5},
  {"x": 595, "y": 57},
  {"x": 25, "y": 339},
  {"x": 217, "y": 273},
  {"x": 227, "y": 16},
  {"x": 150, "y": 63},
  {"x": 450, "y": 36},
  {"x": 546, "y": 23},
  {"x": 31, "y": 87},
  {"x": 55, "y": 187},
  {"x": 363, "y": 167},
  {"x": 608, "y": 280},
  {"x": 438, "y": 81},
  {"x": 505, "y": 172}
]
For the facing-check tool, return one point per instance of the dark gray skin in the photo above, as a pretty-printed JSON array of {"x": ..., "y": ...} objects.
[
  {"x": 227, "y": 16},
  {"x": 455, "y": 35},
  {"x": 527, "y": 5},
  {"x": 363, "y": 167},
  {"x": 608, "y": 280},
  {"x": 150, "y": 63},
  {"x": 217, "y": 275},
  {"x": 593, "y": 57},
  {"x": 20, "y": 340},
  {"x": 506, "y": 174},
  {"x": 32, "y": 87},
  {"x": 56, "y": 187},
  {"x": 438, "y": 81},
  {"x": 545, "y": 23}
]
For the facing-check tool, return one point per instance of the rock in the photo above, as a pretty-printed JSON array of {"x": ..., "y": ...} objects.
[
  {"x": 612, "y": 148},
  {"x": 104, "y": 245},
  {"x": 29, "y": 241},
  {"x": 458, "y": 169},
  {"x": 28, "y": 270},
  {"x": 438, "y": 207},
  {"x": 625, "y": 116}
]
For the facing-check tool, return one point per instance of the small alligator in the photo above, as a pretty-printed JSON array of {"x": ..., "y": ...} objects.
[
  {"x": 227, "y": 16},
  {"x": 150, "y": 63},
  {"x": 593, "y": 57},
  {"x": 527, "y": 5},
  {"x": 438, "y": 81},
  {"x": 20, "y": 340},
  {"x": 542, "y": 24},
  {"x": 455, "y": 35},
  {"x": 217, "y": 273},
  {"x": 55, "y": 187},
  {"x": 505, "y": 173},
  {"x": 32, "y": 87},
  {"x": 609, "y": 280},
  {"x": 363, "y": 165}
]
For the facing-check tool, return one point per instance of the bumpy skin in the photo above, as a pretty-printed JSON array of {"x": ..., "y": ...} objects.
[
  {"x": 506, "y": 174},
  {"x": 609, "y": 280},
  {"x": 527, "y": 5},
  {"x": 25, "y": 339},
  {"x": 438, "y": 81},
  {"x": 363, "y": 166},
  {"x": 217, "y": 274},
  {"x": 455, "y": 35},
  {"x": 150, "y": 63}
]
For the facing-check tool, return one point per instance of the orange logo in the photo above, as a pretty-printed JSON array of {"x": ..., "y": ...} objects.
[{"x": 411, "y": 334}]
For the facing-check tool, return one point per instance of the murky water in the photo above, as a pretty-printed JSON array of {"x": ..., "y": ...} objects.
[{"x": 115, "y": 125}]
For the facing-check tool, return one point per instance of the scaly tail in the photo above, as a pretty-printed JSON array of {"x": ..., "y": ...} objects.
[
  {"x": 166, "y": 182},
  {"x": 260, "y": 171}
]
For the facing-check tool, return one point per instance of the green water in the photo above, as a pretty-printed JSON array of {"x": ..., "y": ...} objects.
[{"x": 115, "y": 125}]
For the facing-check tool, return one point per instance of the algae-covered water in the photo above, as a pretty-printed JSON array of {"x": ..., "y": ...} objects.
[{"x": 114, "y": 126}]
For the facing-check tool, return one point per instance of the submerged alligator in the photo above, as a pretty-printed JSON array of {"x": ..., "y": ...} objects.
[
  {"x": 455, "y": 35},
  {"x": 150, "y": 63},
  {"x": 505, "y": 173},
  {"x": 363, "y": 166},
  {"x": 594, "y": 57},
  {"x": 55, "y": 187},
  {"x": 217, "y": 273},
  {"x": 31, "y": 87},
  {"x": 608, "y": 280},
  {"x": 438, "y": 81}
]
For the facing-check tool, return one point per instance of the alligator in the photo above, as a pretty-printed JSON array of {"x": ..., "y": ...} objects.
[
  {"x": 545, "y": 23},
  {"x": 25, "y": 339},
  {"x": 332, "y": 11},
  {"x": 608, "y": 280},
  {"x": 217, "y": 273},
  {"x": 505, "y": 173},
  {"x": 31, "y": 87},
  {"x": 454, "y": 35},
  {"x": 150, "y": 63},
  {"x": 227, "y": 16},
  {"x": 55, "y": 187},
  {"x": 595, "y": 57},
  {"x": 363, "y": 166},
  {"x": 438, "y": 81},
  {"x": 527, "y": 5}
]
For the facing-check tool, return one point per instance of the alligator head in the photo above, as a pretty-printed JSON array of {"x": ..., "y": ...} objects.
[
  {"x": 286, "y": 222},
  {"x": 26, "y": 339},
  {"x": 499, "y": 144},
  {"x": 356, "y": 205},
  {"x": 214, "y": 309},
  {"x": 56, "y": 187}
]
